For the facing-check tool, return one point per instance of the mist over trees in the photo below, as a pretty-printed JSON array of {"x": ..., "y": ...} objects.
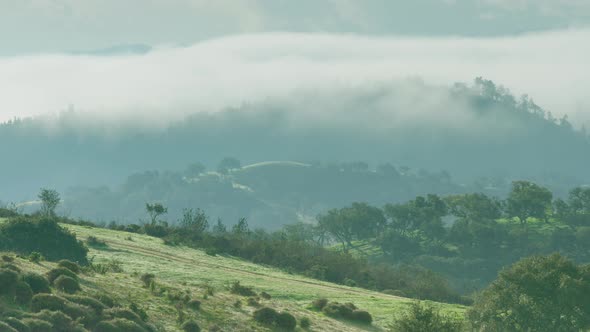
[{"x": 469, "y": 131}]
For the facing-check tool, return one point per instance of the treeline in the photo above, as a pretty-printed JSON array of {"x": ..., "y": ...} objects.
[{"x": 467, "y": 237}]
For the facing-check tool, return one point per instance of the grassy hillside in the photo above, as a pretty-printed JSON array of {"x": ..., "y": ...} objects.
[{"x": 187, "y": 270}]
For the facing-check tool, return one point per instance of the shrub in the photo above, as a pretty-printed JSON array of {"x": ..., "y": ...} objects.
[
  {"x": 38, "y": 283},
  {"x": 265, "y": 296},
  {"x": 266, "y": 316},
  {"x": 37, "y": 325},
  {"x": 139, "y": 311},
  {"x": 53, "y": 274},
  {"x": 319, "y": 304},
  {"x": 93, "y": 241},
  {"x": 22, "y": 293},
  {"x": 337, "y": 310},
  {"x": 105, "y": 299},
  {"x": 59, "y": 320},
  {"x": 74, "y": 267},
  {"x": 238, "y": 289},
  {"x": 123, "y": 313},
  {"x": 67, "y": 284},
  {"x": 87, "y": 301},
  {"x": 253, "y": 302},
  {"x": 6, "y": 328},
  {"x": 7, "y": 259},
  {"x": 286, "y": 321},
  {"x": 106, "y": 326},
  {"x": 425, "y": 318},
  {"x": 9, "y": 266},
  {"x": 147, "y": 279},
  {"x": 16, "y": 324},
  {"x": 35, "y": 257},
  {"x": 349, "y": 282},
  {"x": 26, "y": 235},
  {"x": 48, "y": 301},
  {"x": 191, "y": 326},
  {"x": 194, "y": 304},
  {"x": 362, "y": 316},
  {"x": 305, "y": 322},
  {"x": 8, "y": 280}
]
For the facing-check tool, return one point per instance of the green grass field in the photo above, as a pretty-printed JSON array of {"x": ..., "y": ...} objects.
[{"x": 192, "y": 270}]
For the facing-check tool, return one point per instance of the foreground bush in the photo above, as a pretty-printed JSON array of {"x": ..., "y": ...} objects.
[
  {"x": 539, "y": 293},
  {"x": 53, "y": 274},
  {"x": 74, "y": 267},
  {"x": 267, "y": 316},
  {"x": 286, "y": 321},
  {"x": 426, "y": 318},
  {"x": 6, "y": 328},
  {"x": 8, "y": 280},
  {"x": 22, "y": 293},
  {"x": 37, "y": 325},
  {"x": 31, "y": 234},
  {"x": 16, "y": 324}
]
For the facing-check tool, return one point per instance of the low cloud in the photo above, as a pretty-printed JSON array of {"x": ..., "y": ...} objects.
[{"x": 171, "y": 82}]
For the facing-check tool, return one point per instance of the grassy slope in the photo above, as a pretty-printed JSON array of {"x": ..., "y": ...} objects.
[{"x": 189, "y": 269}]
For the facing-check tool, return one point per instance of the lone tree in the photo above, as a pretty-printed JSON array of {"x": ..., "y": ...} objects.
[
  {"x": 539, "y": 293},
  {"x": 50, "y": 199},
  {"x": 155, "y": 210},
  {"x": 528, "y": 200}
]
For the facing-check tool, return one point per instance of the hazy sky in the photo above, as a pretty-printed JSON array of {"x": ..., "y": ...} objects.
[{"x": 224, "y": 52}]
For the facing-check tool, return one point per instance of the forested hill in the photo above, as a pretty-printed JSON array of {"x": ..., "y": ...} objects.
[{"x": 469, "y": 131}]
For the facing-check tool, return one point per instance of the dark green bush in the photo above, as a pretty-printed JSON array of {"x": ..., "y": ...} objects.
[
  {"x": 238, "y": 289},
  {"x": 191, "y": 326},
  {"x": 265, "y": 296},
  {"x": 123, "y": 313},
  {"x": 16, "y": 324},
  {"x": 7, "y": 259},
  {"x": 49, "y": 302},
  {"x": 425, "y": 318},
  {"x": 60, "y": 271},
  {"x": 22, "y": 293},
  {"x": 362, "y": 316},
  {"x": 6, "y": 328},
  {"x": 38, "y": 283},
  {"x": 8, "y": 280},
  {"x": 305, "y": 322},
  {"x": 319, "y": 304},
  {"x": 337, "y": 310},
  {"x": 60, "y": 321},
  {"x": 9, "y": 266},
  {"x": 253, "y": 302},
  {"x": 67, "y": 284},
  {"x": 37, "y": 325},
  {"x": 286, "y": 321},
  {"x": 74, "y": 267},
  {"x": 35, "y": 257},
  {"x": 106, "y": 326},
  {"x": 105, "y": 299},
  {"x": 267, "y": 316},
  {"x": 93, "y": 241},
  {"x": 44, "y": 235},
  {"x": 194, "y": 304},
  {"x": 147, "y": 279},
  {"x": 87, "y": 301}
]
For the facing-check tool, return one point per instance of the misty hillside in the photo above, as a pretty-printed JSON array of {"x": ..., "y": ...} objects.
[{"x": 467, "y": 131}]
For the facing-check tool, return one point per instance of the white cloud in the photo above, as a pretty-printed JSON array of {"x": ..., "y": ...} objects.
[{"x": 551, "y": 67}]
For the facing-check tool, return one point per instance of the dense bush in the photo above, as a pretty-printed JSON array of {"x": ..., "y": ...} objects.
[
  {"x": 16, "y": 324},
  {"x": 147, "y": 279},
  {"x": 267, "y": 316},
  {"x": 53, "y": 274},
  {"x": 38, "y": 283},
  {"x": 286, "y": 321},
  {"x": 37, "y": 325},
  {"x": 74, "y": 267},
  {"x": 67, "y": 284},
  {"x": 265, "y": 295},
  {"x": 60, "y": 321},
  {"x": 319, "y": 304},
  {"x": 338, "y": 310},
  {"x": 194, "y": 304},
  {"x": 191, "y": 326},
  {"x": 4, "y": 327},
  {"x": 362, "y": 316},
  {"x": 22, "y": 293},
  {"x": 426, "y": 318},
  {"x": 10, "y": 266},
  {"x": 44, "y": 235},
  {"x": 93, "y": 303},
  {"x": 305, "y": 322},
  {"x": 8, "y": 280},
  {"x": 238, "y": 289},
  {"x": 119, "y": 325},
  {"x": 93, "y": 241}
]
